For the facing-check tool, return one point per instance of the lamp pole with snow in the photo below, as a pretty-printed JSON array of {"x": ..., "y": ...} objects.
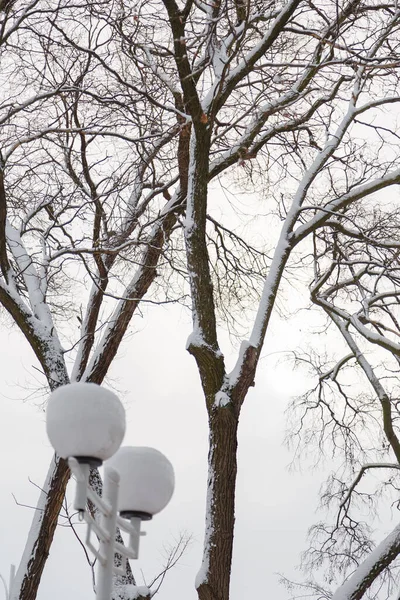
[{"x": 86, "y": 425}]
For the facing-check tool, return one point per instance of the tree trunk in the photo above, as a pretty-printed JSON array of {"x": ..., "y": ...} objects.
[
  {"x": 212, "y": 582},
  {"x": 44, "y": 524}
]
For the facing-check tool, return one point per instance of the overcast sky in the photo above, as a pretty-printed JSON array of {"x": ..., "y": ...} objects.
[{"x": 158, "y": 383}]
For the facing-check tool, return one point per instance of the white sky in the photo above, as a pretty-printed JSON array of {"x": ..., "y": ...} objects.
[
  {"x": 157, "y": 381},
  {"x": 159, "y": 385}
]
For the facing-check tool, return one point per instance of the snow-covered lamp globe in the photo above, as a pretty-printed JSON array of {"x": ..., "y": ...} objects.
[
  {"x": 85, "y": 421},
  {"x": 147, "y": 481}
]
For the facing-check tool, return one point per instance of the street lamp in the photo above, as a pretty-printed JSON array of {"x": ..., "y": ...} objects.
[{"x": 86, "y": 425}]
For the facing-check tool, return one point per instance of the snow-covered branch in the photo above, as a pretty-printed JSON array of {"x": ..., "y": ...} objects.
[{"x": 363, "y": 577}]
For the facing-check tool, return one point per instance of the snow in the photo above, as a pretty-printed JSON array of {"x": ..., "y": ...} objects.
[
  {"x": 84, "y": 328},
  {"x": 189, "y": 224},
  {"x": 166, "y": 79},
  {"x": 373, "y": 337},
  {"x": 202, "y": 575},
  {"x": 190, "y": 218},
  {"x": 258, "y": 48},
  {"x": 220, "y": 59},
  {"x": 103, "y": 345},
  {"x": 332, "y": 207},
  {"x": 195, "y": 339},
  {"x": 147, "y": 479},
  {"x": 84, "y": 419},
  {"x": 29, "y": 273},
  {"x": 270, "y": 288},
  {"x": 131, "y": 592},
  {"x": 286, "y": 240},
  {"x": 52, "y": 352},
  {"x": 221, "y": 399},
  {"x": 356, "y": 580},
  {"x": 234, "y": 375}
]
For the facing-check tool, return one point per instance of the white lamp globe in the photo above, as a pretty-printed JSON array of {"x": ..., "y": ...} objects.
[
  {"x": 147, "y": 481},
  {"x": 86, "y": 421}
]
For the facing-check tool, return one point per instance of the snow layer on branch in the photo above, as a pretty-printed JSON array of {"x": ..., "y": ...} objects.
[
  {"x": 130, "y": 292},
  {"x": 372, "y": 336},
  {"x": 130, "y": 592},
  {"x": 190, "y": 220},
  {"x": 270, "y": 288},
  {"x": 84, "y": 328},
  {"x": 53, "y": 354},
  {"x": 38, "y": 314},
  {"x": 30, "y": 275},
  {"x": 234, "y": 375},
  {"x": 243, "y": 65},
  {"x": 357, "y": 579}
]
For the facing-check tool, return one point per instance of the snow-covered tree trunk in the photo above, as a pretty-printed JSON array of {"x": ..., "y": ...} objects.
[
  {"x": 40, "y": 537},
  {"x": 213, "y": 579}
]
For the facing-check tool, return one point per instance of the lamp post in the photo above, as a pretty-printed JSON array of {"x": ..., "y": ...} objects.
[{"x": 86, "y": 425}]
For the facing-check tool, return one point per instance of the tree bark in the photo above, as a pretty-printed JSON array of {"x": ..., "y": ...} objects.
[
  {"x": 366, "y": 573},
  {"x": 26, "y": 582},
  {"x": 213, "y": 579}
]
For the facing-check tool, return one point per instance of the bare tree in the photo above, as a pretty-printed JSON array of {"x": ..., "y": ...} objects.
[
  {"x": 356, "y": 284},
  {"x": 115, "y": 119}
]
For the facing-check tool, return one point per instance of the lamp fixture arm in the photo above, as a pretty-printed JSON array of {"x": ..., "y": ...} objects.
[{"x": 105, "y": 528}]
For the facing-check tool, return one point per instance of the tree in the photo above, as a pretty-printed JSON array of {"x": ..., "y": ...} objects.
[
  {"x": 356, "y": 285},
  {"x": 115, "y": 120}
]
